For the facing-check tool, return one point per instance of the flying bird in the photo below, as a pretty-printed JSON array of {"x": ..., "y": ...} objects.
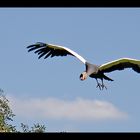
[{"x": 91, "y": 70}]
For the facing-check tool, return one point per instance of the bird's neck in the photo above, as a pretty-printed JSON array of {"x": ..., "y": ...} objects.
[{"x": 91, "y": 68}]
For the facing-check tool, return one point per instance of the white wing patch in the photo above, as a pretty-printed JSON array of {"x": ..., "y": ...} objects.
[
  {"x": 69, "y": 50},
  {"x": 76, "y": 55}
]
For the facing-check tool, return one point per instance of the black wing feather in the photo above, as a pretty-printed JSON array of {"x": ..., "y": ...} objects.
[
  {"x": 33, "y": 48},
  {"x": 36, "y": 46},
  {"x": 44, "y": 49},
  {"x": 42, "y": 54},
  {"x": 53, "y": 53},
  {"x": 136, "y": 68},
  {"x": 121, "y": 66},
  {"x": 48, "y": 55}
]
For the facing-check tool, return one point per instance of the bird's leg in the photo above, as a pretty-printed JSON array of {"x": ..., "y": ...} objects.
[
  {"x": 98, "y": 84},
  {"x": 102, "y": 85}
]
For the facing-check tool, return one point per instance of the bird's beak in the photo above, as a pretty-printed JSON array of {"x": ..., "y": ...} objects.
[{"x": 82, "y": 78}]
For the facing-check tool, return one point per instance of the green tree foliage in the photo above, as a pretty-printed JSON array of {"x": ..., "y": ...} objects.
[
  {"x": 37, "y": 128},
  {"x": 7, "y": 115}
]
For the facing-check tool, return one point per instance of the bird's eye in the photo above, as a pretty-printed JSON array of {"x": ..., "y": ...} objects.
[{"x": 81, "y": 75}]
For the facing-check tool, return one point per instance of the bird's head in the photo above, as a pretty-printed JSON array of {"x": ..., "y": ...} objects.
[{"x": 83, "y": 76}]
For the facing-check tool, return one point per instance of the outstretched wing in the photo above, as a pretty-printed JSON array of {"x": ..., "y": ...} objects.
[
  {"x": 121, "y": 64},
  {"x": 46, "y": 50}
]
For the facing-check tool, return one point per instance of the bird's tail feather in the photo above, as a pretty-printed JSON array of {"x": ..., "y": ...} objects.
[{"x": 107, "y": 78}]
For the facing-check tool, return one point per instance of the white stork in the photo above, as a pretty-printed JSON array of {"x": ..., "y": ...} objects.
[{"x": 94, "y": 71}]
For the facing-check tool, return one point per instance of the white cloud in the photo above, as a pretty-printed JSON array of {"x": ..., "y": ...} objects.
[{"x": 78, "y": 109}]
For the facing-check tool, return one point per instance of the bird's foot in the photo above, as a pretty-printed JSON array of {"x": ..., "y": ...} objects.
[{"x": 101, "y": 86}]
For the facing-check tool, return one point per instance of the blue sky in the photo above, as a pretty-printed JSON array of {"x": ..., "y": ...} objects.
[{"x": 49, "y": 91}]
